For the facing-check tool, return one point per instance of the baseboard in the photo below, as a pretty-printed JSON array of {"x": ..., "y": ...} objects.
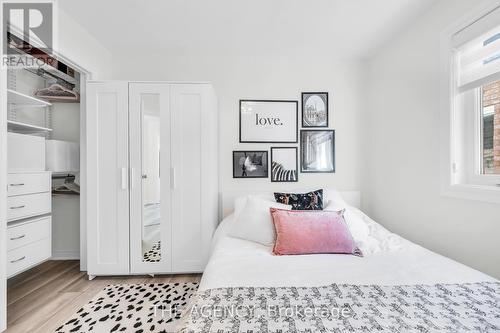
[{"x": 65, "y": 255}]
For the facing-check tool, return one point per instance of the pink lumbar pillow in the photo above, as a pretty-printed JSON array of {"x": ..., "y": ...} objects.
[{"x": 311, "y": 232}]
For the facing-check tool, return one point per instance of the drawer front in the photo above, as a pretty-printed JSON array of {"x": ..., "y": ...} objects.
[
  {"x": 27, "y": 233},
  {"x": 23, "y": 206},
  {"x": 27, "y": 256},
  {"x": 28, "y": 183}
]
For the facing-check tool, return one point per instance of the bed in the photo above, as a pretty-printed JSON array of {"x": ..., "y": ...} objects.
[{"x": 397, "y": 286}]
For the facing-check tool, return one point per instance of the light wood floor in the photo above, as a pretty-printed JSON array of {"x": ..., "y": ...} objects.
[{"x": 43, "y": 298}]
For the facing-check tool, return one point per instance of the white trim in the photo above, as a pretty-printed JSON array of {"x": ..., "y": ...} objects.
[
  {"x": 85, "y": 76},
  {"x": 3, "y": 187},
  {"x": 65, "y": 255},
  {"x": 448, "y": 108},
  {"x": 473, "y": 192},
  {"x": 475, "y": 173},
  {"x": 3, "y": 196},
  {"x": 83, "y": 171}
]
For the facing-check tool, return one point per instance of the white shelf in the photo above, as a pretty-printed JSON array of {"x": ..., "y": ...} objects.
[
  {"x": 24, "y": 128},
  {"x": 23, "y": 100}
]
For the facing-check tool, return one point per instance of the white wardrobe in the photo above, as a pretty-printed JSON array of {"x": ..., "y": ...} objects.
[{"x": 152, "y": 177}]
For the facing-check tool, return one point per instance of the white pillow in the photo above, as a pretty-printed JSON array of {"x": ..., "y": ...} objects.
[
  {"x": 240, "y": 202},
  {"x": 254, "y": 222},
  {"x": 331, "y": 196},
  {"x": 356, "y": 224}
]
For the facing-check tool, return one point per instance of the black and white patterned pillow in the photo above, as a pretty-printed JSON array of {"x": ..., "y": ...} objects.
[{"x": 301, "y": 201}]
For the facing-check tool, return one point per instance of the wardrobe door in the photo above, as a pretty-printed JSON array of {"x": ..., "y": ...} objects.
[
  {"x": 107, "y": 178},
  {"x": 194, "y": 156},
  {"x": 150, "y": 200}
]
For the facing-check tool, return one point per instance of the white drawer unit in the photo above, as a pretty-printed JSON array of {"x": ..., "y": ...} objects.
[
  {"x": 28, "y": 183},
  {"x": 27, "y": 256},
  {"x": 23, "y": 206},
  {"x": 26, "y": 232}
]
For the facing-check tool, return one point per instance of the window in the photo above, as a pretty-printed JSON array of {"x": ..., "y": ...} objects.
[
  {"x": 472, "y": 109},
  {"x": 478, "y": 110},
  {"x": 490, "y": 128}
]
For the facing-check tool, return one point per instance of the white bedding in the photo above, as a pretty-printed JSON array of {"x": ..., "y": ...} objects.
[{"x": 388, "y": 260}]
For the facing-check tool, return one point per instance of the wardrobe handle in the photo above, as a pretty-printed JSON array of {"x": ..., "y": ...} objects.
[
  {"x": 132, "y": 179},
  {"x": 124, "y": 178},
  {"x": 22, "y": 258},
  {"x": 18, "y": 207},
  {"x": 172, "y": 178},
  {"x": 18, "y": 184},
  {"x": 18, "y": 237}
]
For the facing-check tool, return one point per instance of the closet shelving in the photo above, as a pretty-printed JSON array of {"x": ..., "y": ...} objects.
[
  {"x": 18, "y": 99},
  {"x": 23, "y": 128}
]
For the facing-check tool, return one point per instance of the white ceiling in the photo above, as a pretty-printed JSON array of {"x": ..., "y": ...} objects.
[{"x": 336, "y": 28}]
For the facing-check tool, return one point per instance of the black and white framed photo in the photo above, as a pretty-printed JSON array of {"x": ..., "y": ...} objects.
[
  {"x": 268, "y": 121},
  {"x": 315, "y": 109},
  {"x": 284, "y": 164},
  {"x": 250, "y": 164},
  {"x": 317, "y": 150}
]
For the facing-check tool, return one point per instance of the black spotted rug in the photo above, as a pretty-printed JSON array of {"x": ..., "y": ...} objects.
[{"x": 140, "y": 308}]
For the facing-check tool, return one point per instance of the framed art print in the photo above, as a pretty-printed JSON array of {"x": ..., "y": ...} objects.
[
  {"x": 284, "y": 164},
  {"x": 315, "y": 109},
  {"x": 268, "y": 121},
  {"x": 250, "y": 164},
  {"x": 317, "y": 150}
]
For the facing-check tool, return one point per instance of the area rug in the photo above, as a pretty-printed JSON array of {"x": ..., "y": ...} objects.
[{"x": 140, "y": 308}]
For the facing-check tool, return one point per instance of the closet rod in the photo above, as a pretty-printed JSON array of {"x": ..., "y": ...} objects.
[
  {"x": 43, "y": 73},
  {"x": 63, "y": 176}
]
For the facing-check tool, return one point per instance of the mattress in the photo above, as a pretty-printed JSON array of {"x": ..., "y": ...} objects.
[{"x": 237, "y": 263}]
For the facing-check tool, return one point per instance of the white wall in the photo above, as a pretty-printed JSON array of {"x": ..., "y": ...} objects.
[
  {"x": 402, "y": 152},
  {"x": 76, "y": 44},
  {"x": 240, "y": 77}
]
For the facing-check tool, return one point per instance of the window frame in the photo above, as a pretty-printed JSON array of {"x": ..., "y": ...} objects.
[
  {"x": 460, "y": 163},
  {"x": 475, "y": 173}
]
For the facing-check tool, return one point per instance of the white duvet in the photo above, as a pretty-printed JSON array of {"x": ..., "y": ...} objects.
[{"x": 388, "y": 260}]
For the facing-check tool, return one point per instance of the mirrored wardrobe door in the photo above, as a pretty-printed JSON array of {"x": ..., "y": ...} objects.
[{"x": 150, "y": 208}]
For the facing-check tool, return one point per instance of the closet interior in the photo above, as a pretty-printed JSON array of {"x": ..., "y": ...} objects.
[{"x": 43, "y": 204}]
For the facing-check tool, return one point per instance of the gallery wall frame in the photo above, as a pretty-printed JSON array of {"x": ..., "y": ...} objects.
[
  {"x": 315, "y": 109},
  {"x": 317, "y": 151},
  {"x": 282, "y": 175},
  {"x": 278, "y": 121},
  {"x": 250, "y": 164}
]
